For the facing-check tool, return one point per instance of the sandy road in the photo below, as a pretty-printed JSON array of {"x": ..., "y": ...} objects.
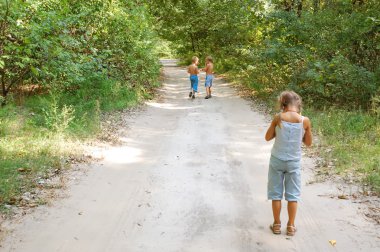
[{"x": 191, "y": 176}]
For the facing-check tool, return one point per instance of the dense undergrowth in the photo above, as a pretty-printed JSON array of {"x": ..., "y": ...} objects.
[{"x": 62, "y": 64}]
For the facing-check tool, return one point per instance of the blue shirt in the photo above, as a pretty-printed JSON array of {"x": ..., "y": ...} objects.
[{"x": 288, "y": 141}]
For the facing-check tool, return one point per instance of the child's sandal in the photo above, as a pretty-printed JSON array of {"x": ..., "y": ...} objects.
[
  {"x": 291, "y": 230},
  {"x": 276, "y": 228}
]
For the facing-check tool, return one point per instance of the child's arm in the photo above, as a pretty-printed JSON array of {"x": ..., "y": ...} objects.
[
  {"x": 271, "y": 132},
  {"x": 205, "y": 69},
  {"x": 308, "y": 137}
]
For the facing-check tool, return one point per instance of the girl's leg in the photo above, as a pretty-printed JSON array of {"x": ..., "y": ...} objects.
[
  {"x": 292, "y": 211},
  {"x": 292, "y": 192},
  {"x": 276, "y": 207},
  {"x": 276, "y": 226}
]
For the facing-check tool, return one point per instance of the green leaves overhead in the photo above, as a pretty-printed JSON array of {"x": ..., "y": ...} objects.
[
  {"x": 203, "y": 26},
  {"x": 310, "y": 46},
  {"x": 326, "y": 50}
]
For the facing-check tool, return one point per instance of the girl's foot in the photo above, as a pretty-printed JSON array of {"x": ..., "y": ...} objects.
[
  {"x": 276, "y": 228},
  {"x": 207, "y": 97},
  {"x": 291, "y": 230},
  {"x": 190, "y": 94},
  {"x": 193, "y": 97}
]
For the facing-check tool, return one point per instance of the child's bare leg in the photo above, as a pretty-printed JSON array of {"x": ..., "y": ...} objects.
[
  {"x": 292, "y": 211},
  {"x": 276, "y": 207}
]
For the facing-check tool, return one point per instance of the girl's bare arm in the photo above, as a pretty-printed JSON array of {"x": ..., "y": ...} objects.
[
  {"x": 308, "y": 137},
  {"x": 271, "y": 132}
]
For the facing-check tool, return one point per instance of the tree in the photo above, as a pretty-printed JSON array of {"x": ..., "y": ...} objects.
[{"x": 61, "y": 44}]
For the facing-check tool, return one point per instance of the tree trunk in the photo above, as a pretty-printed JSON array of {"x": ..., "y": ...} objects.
[
  {"x": 328, "y": 3},
  {"x": 3, "y": 89},
  {"x": 192, "y": 42},
  {"x": 287, "y": 5},
  {"x": 360, "y": 2},
  {"x": 293, "y": 5},
  {"x": 299, "y": 7},
  {"x": 316, "y": 5}
]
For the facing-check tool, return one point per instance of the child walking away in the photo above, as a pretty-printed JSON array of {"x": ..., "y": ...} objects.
[
  {"x": 193, "y": 71},
  {"x": 289, "y": 129},
  {"x": 209, "y": 69}
]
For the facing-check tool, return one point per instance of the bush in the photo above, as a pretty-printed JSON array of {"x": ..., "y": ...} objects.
[
  {"x": 335, "y": 83},
  {"x": 61, "y": 64}
]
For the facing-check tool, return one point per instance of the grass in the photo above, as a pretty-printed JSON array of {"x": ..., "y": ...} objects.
[
  {"x": 352, "y": 138},
  {"x": 27, "y": 152},
  {"x": 39, "y": 133}
]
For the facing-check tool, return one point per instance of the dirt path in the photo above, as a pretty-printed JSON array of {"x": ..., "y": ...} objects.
[{"x": 191, "y": 177}]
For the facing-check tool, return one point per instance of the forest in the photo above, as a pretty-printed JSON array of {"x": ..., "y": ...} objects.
[{"x": 63, "y": 63}]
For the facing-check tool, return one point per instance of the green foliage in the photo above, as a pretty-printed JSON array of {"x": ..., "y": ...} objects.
[
  {"x": 335, "y": 82},
  {"x": 205, "y": 27},
  {"x": 63, "y": 62},
  {"x": 23, "y": 146},
  {"x": 63, "y": 43},
  {"x": 355, "y": 141},
  {"x": 326, "y": 50},
  {"x": 57, "y": 120}
]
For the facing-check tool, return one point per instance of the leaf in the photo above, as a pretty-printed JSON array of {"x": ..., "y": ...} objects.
[
  {"x": 332, "y": 242},
  {"x": 2, "y": 64},
  {"x": 35, "y": 71},
  {"x": 20, "y": 64},
  {"x": 345, "y": 197}
]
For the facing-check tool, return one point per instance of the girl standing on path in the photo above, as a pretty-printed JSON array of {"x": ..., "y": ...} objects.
[{"x": 289, "y": 129}]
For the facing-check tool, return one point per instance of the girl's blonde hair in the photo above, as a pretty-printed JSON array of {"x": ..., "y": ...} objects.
[
  {"x": 209, "y": 58},
  {"x": 194, "y": 59},
  {"x": 291, "y": 98}
]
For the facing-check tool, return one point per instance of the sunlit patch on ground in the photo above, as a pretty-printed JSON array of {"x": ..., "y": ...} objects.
[{"x": 123, "y": 155}]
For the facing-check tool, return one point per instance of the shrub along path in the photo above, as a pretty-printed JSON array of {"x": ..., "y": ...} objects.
[{"x": 190, "y": 176}]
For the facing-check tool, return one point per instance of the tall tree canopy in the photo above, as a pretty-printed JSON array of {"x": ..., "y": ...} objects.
[{"x": 329, "y": 51}]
